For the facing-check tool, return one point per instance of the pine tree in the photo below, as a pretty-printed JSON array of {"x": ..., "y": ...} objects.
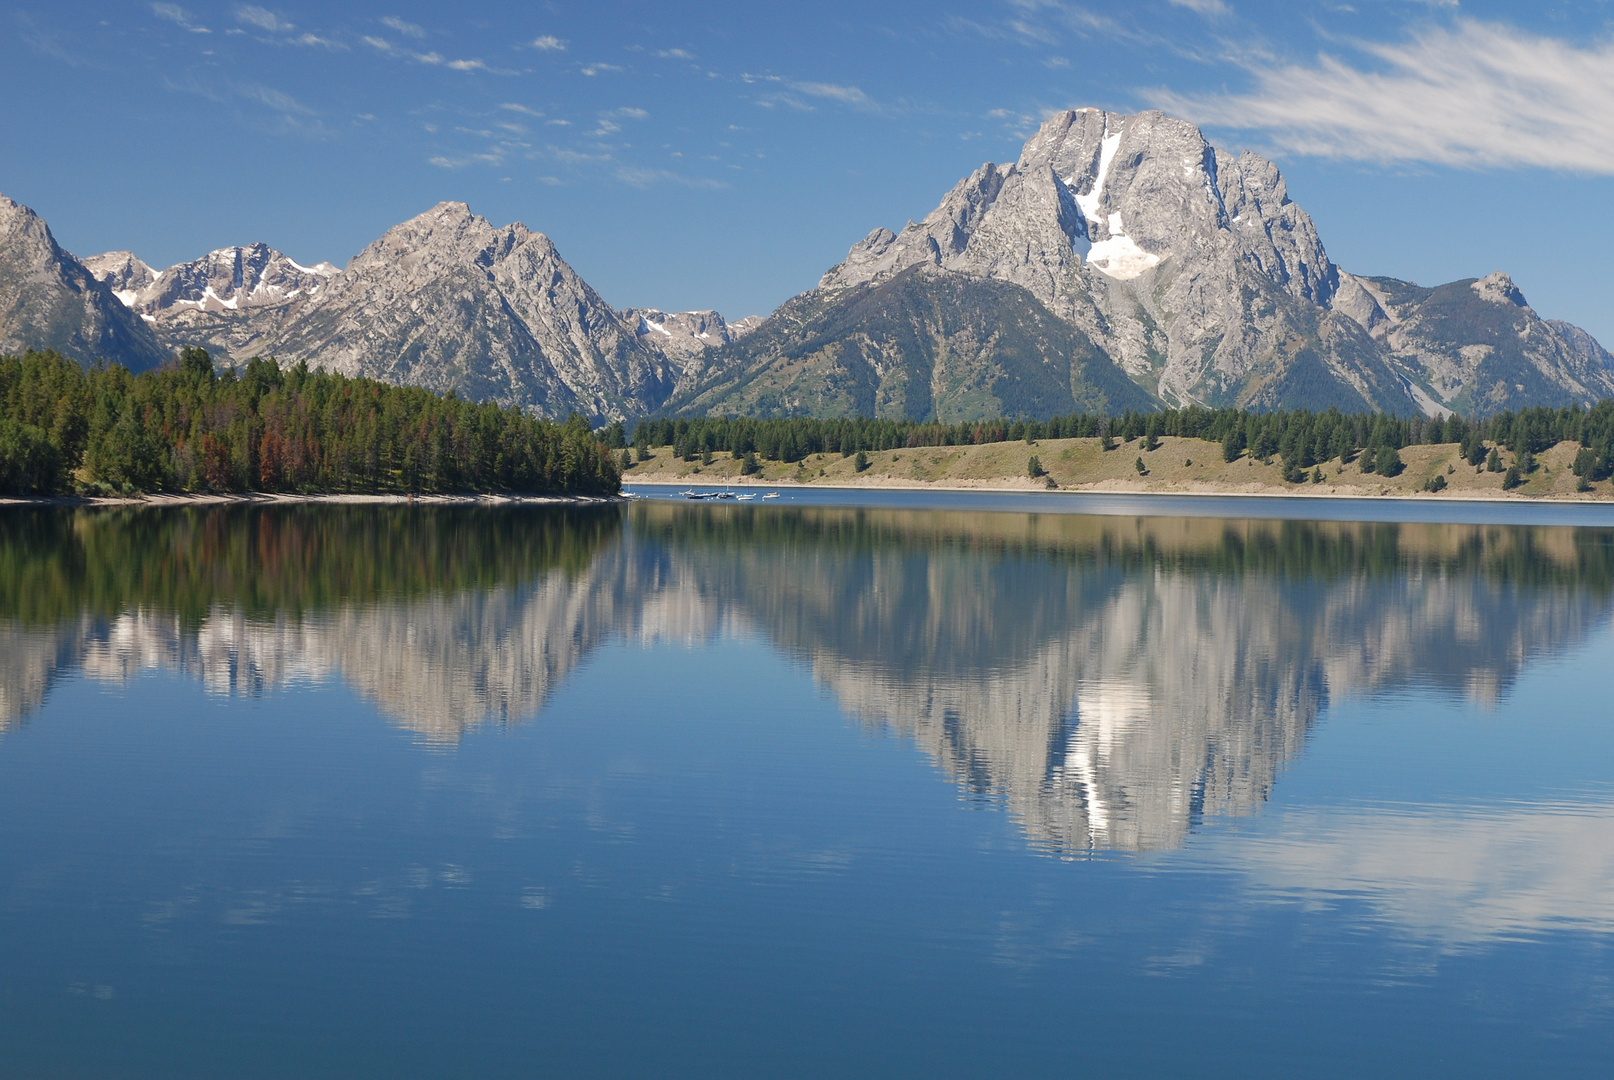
[
  {"x": 1233, "y": 443},
  {"x": 1387, "y": 461}
]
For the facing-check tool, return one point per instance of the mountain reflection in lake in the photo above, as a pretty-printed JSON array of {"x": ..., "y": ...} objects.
[
  {"x": 1115, "y": 681},
  {"x": 705, "y": 790}
]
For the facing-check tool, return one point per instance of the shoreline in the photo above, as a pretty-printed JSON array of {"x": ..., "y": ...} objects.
[
  {"x": 283, "y": 498},
  {"x": 1326, "y": 496},
  {"x": 1174, "y": 466}
]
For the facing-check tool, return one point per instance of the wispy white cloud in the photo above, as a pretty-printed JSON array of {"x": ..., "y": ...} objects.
[
  {"x": 1473, "y": 95},
  {"x": 1210, "y": 8},
  {"x": 179, "y": 17},
  {"x": 644, "y": 178},
  {"x": 278, "y": 100},
  {"x": 45, "y": 42},
  {"x": 846, "y": 95},
  {"x": 675, "y": 54},
  {"x": 548, "y": 43},
  {"x": 511, "y": 106},
  {"x": 314, "y": 41},
  {"x": 287, "y": 115},
  {"x": 632, "y": 113},
  {"x": 407, "y": 29},
  {"x": 595, "y": 69},
  {"x": 262, "y": 18},
  {"x": 443, "y": 162},
  {"x": 1041, "y": 20},
  {"x": 432, "y": 59}
]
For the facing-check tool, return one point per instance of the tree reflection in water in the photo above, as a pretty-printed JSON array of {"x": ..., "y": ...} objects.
[{"x": 1112, "y": 680}]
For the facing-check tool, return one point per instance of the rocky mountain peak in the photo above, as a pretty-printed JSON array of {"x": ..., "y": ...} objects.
[
  {"x": 448, "y": 235},
  {"x": 1122, "y": 193},
  {"x": 1188, "y": 267},
  {"x": 228, "y": 279},
  {"x": 50, "y": 300},
  {"x": 125, "y": 273},
  {"x": 448, "y": 300},
  {"x": 684, "y": 335},
  {"x": 21, "y": 229},
  {"x": 1498, "y": 288}
]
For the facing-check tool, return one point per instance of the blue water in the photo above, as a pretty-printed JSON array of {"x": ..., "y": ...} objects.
[{"x": 803, "y": 790}]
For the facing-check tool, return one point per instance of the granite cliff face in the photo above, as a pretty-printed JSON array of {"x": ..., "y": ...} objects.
[
  {"x": 50, "y": 300},
  {"x": 1193, "y": 272}
]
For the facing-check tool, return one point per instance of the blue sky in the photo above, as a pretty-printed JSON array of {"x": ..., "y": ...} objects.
[{"x": 725, "y": 154}]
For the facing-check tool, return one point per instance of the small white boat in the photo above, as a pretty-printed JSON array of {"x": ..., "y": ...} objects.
[
  {"x": 745, "y": 498},
  {"x": 771, "y": 495}
]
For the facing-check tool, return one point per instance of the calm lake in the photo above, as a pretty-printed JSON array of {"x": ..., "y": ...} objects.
[{"x": 816, "y": 787}]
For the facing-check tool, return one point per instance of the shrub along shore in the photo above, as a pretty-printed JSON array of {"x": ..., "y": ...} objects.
[
  {"x": 188, "y": 429},
  {"x": 1534, "y": 452}
]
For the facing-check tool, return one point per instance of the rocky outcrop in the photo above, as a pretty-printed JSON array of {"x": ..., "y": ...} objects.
[{"x": 50, "y": 300}]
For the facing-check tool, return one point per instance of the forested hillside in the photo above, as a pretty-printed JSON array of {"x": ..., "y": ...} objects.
[
  {"x": 188, "y": 428},
  {"x": 1300, "y": 438}
]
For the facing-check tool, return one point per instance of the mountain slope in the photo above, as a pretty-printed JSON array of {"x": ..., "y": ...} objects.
[
  {"x": 916, "y": 346},
  {"x": 448, "y": 301},
  {"x": 1194, "y": 272},
  {"x": 1481, "y": 348},
  {"x": 50, "y": 300}
]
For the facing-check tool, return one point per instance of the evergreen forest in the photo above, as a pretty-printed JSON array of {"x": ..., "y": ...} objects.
[{"x": 187, "y": 427}]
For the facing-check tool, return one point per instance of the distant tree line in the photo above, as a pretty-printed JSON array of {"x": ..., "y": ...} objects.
[
  {"x": 1300, "y": 438},
  {"x": 188, "y": 428}
]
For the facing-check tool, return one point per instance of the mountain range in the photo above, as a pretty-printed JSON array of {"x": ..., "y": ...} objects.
[{"x": 1121, "y": 262}]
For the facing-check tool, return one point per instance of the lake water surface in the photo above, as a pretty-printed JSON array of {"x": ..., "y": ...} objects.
[{"x": 817, "y": 787}]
